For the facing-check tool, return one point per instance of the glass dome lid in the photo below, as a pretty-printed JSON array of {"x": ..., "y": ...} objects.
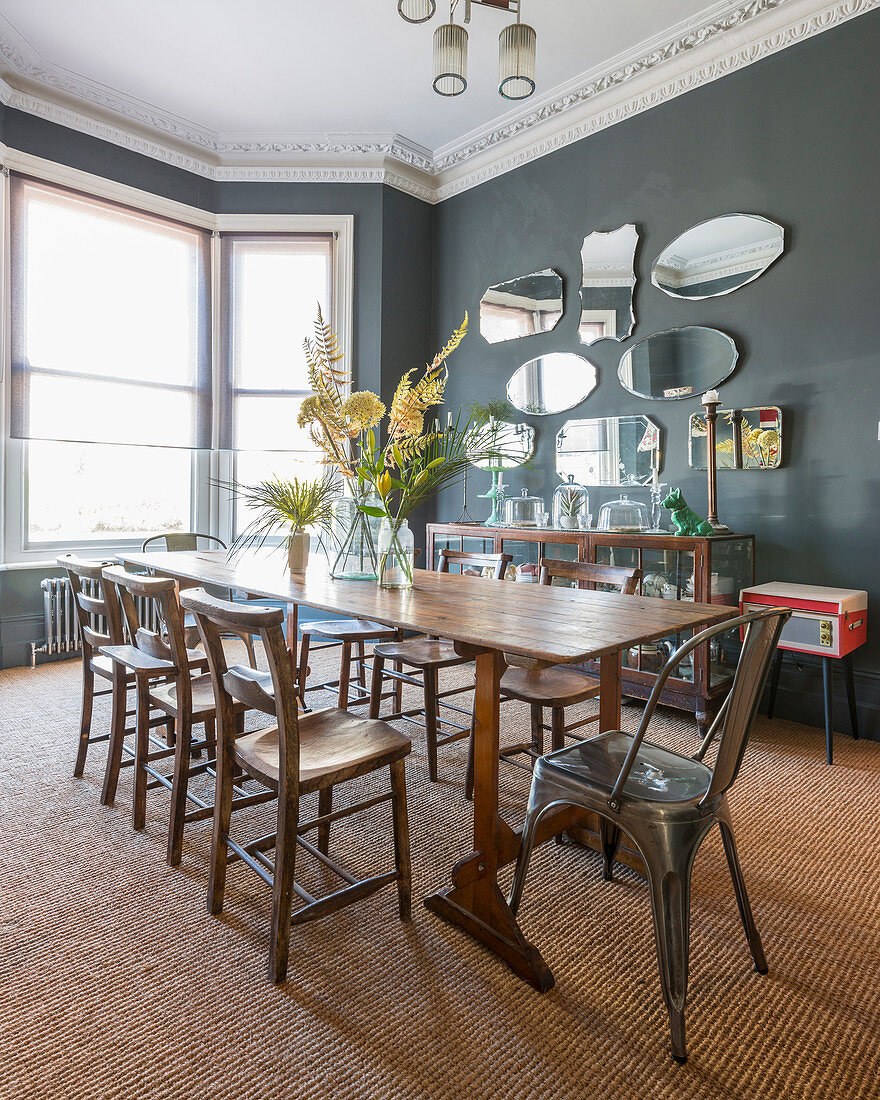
[
  {"x": 623, "y": 515},
  {"x": 522, "y": 511},
  {"x": 571, "y": 501}
]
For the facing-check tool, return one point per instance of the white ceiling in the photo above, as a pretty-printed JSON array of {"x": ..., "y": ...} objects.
[
  {"x": 290, "y": 68},
  {"x": 333, "y": 90}
]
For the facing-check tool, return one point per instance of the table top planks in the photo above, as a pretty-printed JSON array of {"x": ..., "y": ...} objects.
[{"x": 553, "y": 624}]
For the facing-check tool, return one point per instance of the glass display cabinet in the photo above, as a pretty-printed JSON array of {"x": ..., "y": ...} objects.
[{"x": 707, "y": 570}]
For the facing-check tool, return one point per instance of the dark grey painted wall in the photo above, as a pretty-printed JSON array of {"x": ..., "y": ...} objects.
[
  {"x": 795, "y": 137},
  {"x": 393, "y": 247}
]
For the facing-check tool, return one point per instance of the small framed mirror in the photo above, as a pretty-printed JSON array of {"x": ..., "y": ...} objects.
[
  {"x": 608, "y": 262},
  {"x": 745, "y": 439},
  {"x": 609, "y": 450},
  {"x": 678, "y": 363},
  {"x": 551, "y": 383},
  {"x": 718, "y": 256},
  {"x": 514, "y": 444},
  {"x": 521, "y": 307}
]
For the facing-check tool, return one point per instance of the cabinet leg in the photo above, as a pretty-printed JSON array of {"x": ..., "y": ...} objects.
[
  {"x": 827, "y": 685},
  {"x": 851, "y": 695},
  {"x": 774, "y": 682}
]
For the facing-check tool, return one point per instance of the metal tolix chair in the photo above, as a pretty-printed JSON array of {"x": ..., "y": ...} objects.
[{"x": 665, "y": 802}]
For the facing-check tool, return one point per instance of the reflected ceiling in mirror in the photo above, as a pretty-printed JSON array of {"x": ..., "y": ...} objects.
[
  {"x": 551, "y": 383},
  {"x": 521, "y": 307},
  {"x": 718, "y": 256},
  {"x": 745, "y": 439},
  {"x": 610, "y": 450},
  {"x": 677, "y": 363},
  {"x": 514, "y": 444},
  {"x": 607, "y": 285}
]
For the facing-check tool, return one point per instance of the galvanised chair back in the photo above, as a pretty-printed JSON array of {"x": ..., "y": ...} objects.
[
  {"x": 91, "y": 605},
  {"x": 665, "y": 802}
]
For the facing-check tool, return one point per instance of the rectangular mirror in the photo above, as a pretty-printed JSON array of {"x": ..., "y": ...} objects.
[
  {"x": 745, "y": 439},
  {"x": 610, "y": 450}
]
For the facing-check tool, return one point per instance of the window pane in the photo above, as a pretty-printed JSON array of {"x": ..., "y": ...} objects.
[
  {"x": 277, "y": 287},
  {"x": 108, "y": 291},
  {"x": 89, "y": 491},
  {"x": 252, "y": 467},
  {"x": 269, "y": 424}
]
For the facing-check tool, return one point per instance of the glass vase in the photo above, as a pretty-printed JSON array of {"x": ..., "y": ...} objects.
[
  {"x": 354, "y": 538},
  {"x": 396, "y": 554}
]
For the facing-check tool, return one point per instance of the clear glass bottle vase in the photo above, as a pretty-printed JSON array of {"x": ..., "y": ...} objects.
[
  {"x": 354, "y": 538},
  {"x": 396, "y": 554}
]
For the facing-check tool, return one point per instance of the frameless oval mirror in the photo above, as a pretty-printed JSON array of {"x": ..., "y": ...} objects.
[
  {"x": 718, "y": 256},
  {"x": 610, "y": 450},
  {"x": 551, "y": 383},
  {"x": 521, "y": 307},
  {"x": 511, "y": 444},
  {"x": 607, "y": 283},
  {"x": 677, "y": 363},
  {"x": 745, "y": 439}
]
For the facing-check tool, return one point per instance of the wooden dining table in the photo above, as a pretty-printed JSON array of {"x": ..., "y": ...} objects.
[{"x": 485, "y": 621}]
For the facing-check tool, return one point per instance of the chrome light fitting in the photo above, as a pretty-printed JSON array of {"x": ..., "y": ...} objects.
[{"x": 517, "y": 47}]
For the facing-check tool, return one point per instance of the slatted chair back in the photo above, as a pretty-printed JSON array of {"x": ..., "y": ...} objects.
[
  {"x": 163, "y": 592},
  {"x": 465, "y": 560},
  {"x": 588, "y": 575},
  {"x": 172, "y": 541},
  {"x": 92, "y": 605},
  {"x": 214, "y": 617}
]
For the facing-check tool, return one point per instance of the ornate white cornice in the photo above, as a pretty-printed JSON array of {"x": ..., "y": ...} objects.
[{"x": 730, "y": 37}]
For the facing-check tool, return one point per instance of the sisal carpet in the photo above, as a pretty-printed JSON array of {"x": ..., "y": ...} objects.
[{"x": 117, "y": 984}]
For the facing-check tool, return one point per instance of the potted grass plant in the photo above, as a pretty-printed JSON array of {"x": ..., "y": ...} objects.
[{"x": 289, "y": 507}]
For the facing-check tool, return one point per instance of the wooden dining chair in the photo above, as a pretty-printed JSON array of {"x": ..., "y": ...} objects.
[
  {"x": 665, "y": 802},
  {"x": 559, "y": 686},
  {"x": 173, "y": 541},
  {"x": 425, "y": 657},
  {"x": 185, "y": 697},
  {"x": 98, "y": 629},
  {"x": 294, "y": 756}
]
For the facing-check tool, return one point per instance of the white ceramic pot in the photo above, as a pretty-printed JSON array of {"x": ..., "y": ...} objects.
[
  {"x": 568, "y": 523},
  {"x": 298, "y": 552}
]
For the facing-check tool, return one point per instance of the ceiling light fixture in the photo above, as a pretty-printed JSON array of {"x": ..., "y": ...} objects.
[
  {"x": 517, "y": 47},
  {"x": 416, "y": 11}
]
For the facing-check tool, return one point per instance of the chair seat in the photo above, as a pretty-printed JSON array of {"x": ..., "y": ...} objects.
[
  {"x": 165, "y": 696},
  {"x": 103, "y": 666},
  {"x": 551, "y": 687},
  {"x": 658, "y": 774},
  {"x": 421, "y": 653},
  {"x": 334, "y": 745},
  {"x": 348, "y": 630}
]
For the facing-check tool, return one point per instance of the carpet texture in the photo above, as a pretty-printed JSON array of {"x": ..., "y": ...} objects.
[{"x": 116, "y": 983}]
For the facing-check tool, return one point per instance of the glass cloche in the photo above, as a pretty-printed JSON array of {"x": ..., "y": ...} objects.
[
  {"x": 522, "y": 511},
  {"x": 623, "y": 515},
  {"x": 571, "y": 501}
]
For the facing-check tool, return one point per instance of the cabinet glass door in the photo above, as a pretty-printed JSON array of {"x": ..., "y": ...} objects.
[{"x": 731, "y": 569}]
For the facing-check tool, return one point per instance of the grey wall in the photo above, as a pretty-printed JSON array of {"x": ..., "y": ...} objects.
[{"x": 795, "y": 137}]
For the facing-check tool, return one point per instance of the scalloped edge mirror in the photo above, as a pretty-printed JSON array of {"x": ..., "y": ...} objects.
[
  {"x": 657, "y": 352},
  {"x": 609, "y": 450},
  {"x": 716, "y": 257},
  {"x": 552, "y": 383},
  {"x": 608, "y": 280}
]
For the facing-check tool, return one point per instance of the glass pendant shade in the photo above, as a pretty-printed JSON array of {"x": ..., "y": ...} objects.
[
  {"x": 516, "y": 61},
  {"x": 450, "y": 59},
  {"x": 416, "y": 11}
]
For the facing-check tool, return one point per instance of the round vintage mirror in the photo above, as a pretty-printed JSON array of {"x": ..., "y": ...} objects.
[
  {"x": 677, "y": 363},
  {"x": 718, "y": 256},
  {"x": 551, "y": 383},
  {"x": 513, "y": 444}
]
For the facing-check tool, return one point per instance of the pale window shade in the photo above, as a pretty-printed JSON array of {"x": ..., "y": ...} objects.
[
  {"x": 272, "y": 286},
  {"x": 111, "y": 332}
]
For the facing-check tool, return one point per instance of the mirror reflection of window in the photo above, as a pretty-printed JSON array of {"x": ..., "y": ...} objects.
[
  {"x": 521, "y": 307},
  {"x": 607, "y": 282}
]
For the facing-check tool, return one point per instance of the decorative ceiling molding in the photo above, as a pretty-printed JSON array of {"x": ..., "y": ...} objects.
[{"x": 732, "y": 38}]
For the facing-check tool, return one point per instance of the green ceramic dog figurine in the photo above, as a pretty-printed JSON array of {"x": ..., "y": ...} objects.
[{"x": 684, "y": 519}]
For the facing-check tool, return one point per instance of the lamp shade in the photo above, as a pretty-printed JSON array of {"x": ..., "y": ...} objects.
[
  {"x": 416, "y": 11},
  {"x": 450, "y": 59},
  {"x": 516, "y": 61}
]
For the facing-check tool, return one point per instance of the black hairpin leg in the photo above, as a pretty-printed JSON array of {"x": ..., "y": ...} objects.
[
  {"x": 827, "y": 684},
  {"x": 851, "y": 695}
]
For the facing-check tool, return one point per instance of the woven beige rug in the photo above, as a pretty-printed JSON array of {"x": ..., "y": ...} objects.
[{"x": 116, "y": 983}]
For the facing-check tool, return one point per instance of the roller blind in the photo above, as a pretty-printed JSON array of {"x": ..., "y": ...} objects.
[
  {"x": 111, "y": 333},
  {"x": 271, "y": 286}
]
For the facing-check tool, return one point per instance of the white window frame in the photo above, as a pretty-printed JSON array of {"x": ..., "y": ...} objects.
[{"x": 213, "y": 509}]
